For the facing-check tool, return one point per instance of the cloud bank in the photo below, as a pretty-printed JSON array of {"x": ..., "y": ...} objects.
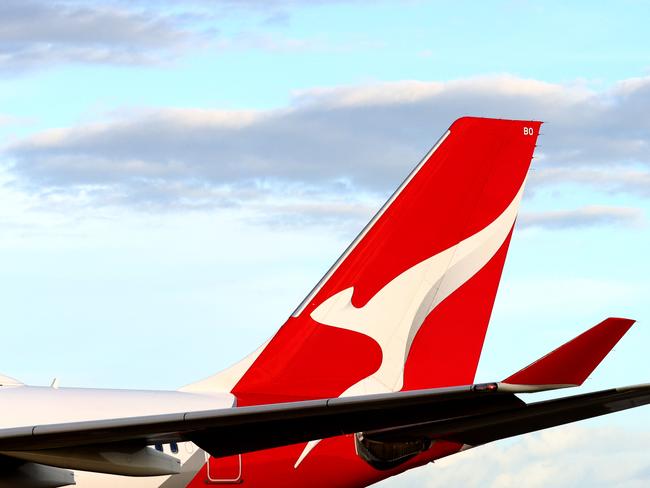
[
  {"x": 341, "y": 142},
  {"x": 37, "y": 34},
  {"x": 583, "y": 217}
]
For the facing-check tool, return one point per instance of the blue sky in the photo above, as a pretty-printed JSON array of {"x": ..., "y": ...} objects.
[{"x": 163, "y": 167}]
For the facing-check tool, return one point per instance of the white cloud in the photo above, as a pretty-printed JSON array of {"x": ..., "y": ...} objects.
[
  {"x": 583, "y": 217},
  {"x": 612, "y": 179},
  {"x": 413, "y": 91}
]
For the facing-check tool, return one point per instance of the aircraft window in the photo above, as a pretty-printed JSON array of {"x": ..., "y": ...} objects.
[
  {"x": 174, "y": 447},
  {"x": 158, "y": 447}
]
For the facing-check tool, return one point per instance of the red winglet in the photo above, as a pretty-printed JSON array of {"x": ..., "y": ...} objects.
[{"x": 573, "y": 362}]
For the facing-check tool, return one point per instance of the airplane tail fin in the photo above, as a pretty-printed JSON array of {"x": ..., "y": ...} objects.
[{"x": 408, "y": 303}]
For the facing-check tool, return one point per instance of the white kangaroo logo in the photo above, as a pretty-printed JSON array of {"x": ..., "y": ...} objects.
[{"x": 395, "y": 314}]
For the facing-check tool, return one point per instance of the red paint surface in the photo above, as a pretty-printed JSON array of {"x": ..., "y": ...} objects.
[
  {"x": 464, "y": 186},
  {"x": 447, "y": 348},
  {"x": 573, "y": 362}
]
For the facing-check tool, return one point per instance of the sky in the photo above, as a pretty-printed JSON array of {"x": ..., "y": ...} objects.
[{"x": 176, "y": 176}]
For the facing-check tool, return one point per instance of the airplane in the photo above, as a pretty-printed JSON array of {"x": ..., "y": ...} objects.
[{"x": 371, "y": 375}]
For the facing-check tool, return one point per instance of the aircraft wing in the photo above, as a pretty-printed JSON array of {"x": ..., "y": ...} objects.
[
  {"x": 472, "y": 414},
  {"x": 469, "y": 414},
  {"x": 227, "y": 431}
]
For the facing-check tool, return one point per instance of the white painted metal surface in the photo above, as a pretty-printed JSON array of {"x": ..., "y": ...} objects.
[{"x": 33, "y": 405}]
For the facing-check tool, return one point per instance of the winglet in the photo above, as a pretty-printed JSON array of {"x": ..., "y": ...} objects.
[{"x": 573, "y": 362}]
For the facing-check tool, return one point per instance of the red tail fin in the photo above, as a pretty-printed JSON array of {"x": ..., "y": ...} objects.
[{"x": 408, "y": 304}]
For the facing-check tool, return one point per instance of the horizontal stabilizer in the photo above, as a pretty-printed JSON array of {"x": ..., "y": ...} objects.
[{"x": 571, "y": 363}]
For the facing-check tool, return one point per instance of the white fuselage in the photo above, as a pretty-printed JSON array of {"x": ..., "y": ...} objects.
[{"x": 25, "y": 408}]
